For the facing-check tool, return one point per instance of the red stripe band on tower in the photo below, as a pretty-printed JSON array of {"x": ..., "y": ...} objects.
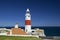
[{"x": 27, "y": 22}]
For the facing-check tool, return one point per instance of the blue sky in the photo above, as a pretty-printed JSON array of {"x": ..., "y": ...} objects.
[{"x": 44, "y": 12}]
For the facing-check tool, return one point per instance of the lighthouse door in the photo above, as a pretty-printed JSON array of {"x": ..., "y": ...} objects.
[{"x": 26, "y": 30}]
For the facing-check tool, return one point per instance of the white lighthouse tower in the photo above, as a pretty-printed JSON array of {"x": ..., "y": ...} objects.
[{"x": 28, "y": 22}]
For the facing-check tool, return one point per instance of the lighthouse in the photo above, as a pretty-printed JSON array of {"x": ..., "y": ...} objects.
[{"x": 28, "y": 22}]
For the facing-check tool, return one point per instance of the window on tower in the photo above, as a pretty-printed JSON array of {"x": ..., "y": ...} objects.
[{"x": 28, "y": 16}]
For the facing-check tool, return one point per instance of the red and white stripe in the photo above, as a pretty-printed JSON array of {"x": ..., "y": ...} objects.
[{"x": 28, "y": 22}]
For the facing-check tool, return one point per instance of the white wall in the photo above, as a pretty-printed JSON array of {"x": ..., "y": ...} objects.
[{"x": 3, "y": 33}]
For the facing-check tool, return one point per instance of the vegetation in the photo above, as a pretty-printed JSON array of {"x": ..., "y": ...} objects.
[{"x": 18, "y": 38}]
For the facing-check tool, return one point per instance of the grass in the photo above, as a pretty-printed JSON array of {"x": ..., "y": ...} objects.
[{"x": 18, "y": 38}]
